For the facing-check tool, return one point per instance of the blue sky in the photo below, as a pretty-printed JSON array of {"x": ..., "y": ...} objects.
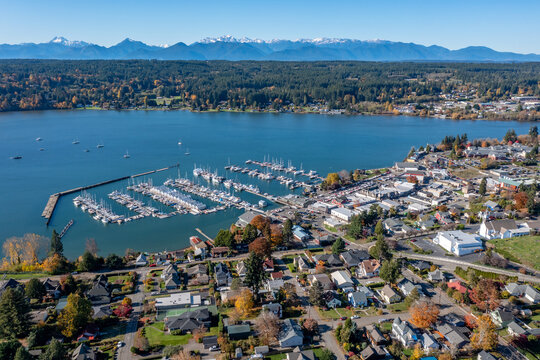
[{"x": 501, "y": 25}]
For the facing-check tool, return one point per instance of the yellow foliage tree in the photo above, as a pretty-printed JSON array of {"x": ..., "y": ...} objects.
[
  {"x": 484, "y": 337},
  {"x": 244, "y": 303},
  {"x": 74, "y": 317},
  {"x": 417, "y": 352}
]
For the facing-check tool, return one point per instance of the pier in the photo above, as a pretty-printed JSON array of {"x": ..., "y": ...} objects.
[
  {"x": 53, "y": 199},
  {"x": 204, "y": 235}
]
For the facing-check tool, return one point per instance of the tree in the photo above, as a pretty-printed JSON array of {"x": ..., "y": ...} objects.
[
  {"x": 14, "y": 314},
  {"x": 260, "y": 222},
  {"x": 326, "y": 355},
  {"x": 141, "y": 342},
  {"x": 75, "y": 316},
  {"x": 267, "y": 326},
  {"x": 287, "y": 231},
  {"x": 244, "y": 303},
  {"x": 483, "y": 187},
  {"x": 521, "y": 199},
  {"x": 411, "y": 152},
  {"x": 261, "y": 246},
  {"x": 22, "y": 354},
  {"x": 338, "y": 246},
  {"x": 417, "y": 352},
  {"x": 56, "y": 264},
  {"x": 236, "y": 283},
  {"x": 35, "y": 289},
  {"x": 380, "y": 250},
  {"x": 23, "y": 250},
  {"x": 88, "y": 262},
  {"x": 424, "y": 314},
  {"x": 8, "y": 349},
  {"x": 510, "y": 136},
  {"x": 484, "y": 336},
  {"x": 55, "y": 351},
  {"x": 249, "y": 234},
  {"x": 412, "y": 297},
  {"x": 114, "y": 261},
  {"x": 311, "y": 327},
  {"x": 485, "y": 295},
  {"x": 389, "y": 271},
  {"x": 255, "y": 274},
  {"x": 332, "y": 179},
  {"x": 379, "y": 228},
  {"x": 224, "y": 238},
  {"x": 91, "y": 246},
  {"x": 316, "y": 294},
  {"x": 68, "y": 284},
  {"x": 533, "y": 133},
  {"x": 355, "y": 228},
  {"x": 56, "y": 246}
]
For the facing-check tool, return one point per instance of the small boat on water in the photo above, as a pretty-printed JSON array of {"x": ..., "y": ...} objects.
[
  {"x": 16, "y": 157},
  {"x": 99, "y": 146},
  {"x": 126, "y": 155},
  {"x": 86, "y": 150},
  {"x": 75, "y": 142},
  {"x": 41, "y": 149},
  {"x": 179, "y": 142},
  {"x": 187, "y": 152},
  {"x": 38, "y": 139}
]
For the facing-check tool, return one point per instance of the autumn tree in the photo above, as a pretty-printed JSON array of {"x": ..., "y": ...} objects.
[
  {"x": 244, "y": 303},
  {"x": 23, "y": 250},
  {"x": 75, "y": 315},
  {"x": 417, "y": 352},
  {"x": 310, "y": 327},
  {"x": 424, "y": 314},
  {"x": 267, "y": 326},
  {"x": 521, "y": 199},
  {"x": 260, "y": 222},
  {"x": 261, "y": 247},
  {"x": 141, "y": 342},
  {"x": 332, "y": 179},
  {"x": 14, "y": 314},
  {"x": 485, "y": 295},
  {"x": 484, "y": 336}
]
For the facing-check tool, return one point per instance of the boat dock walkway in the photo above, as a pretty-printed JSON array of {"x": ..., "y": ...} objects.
[
  {"x": 53, "y": 199},
  {"x": 206, "y": 236}
]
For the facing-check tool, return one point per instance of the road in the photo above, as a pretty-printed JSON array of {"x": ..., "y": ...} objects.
[{"x": 124, "y": 353}]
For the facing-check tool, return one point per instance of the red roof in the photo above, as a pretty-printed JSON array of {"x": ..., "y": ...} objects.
[
  {"x": 456, "y": 285},
  {"x": 276, "y": 275}
]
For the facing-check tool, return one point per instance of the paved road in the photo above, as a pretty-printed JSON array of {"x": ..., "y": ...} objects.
[{"x": 124, "y": 353}]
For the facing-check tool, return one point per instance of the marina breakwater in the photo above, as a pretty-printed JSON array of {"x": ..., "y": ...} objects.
[{"x": 48, "y": 211}]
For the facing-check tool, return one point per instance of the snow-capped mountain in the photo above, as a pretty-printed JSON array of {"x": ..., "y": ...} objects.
[{"x": 231, "y": 48}]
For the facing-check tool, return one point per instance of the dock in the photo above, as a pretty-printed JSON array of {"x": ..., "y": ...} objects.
[
  {"x": 204, "y": 235},
  {"x": 53, "y": 199}
]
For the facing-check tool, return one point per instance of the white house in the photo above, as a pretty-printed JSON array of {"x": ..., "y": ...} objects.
[
  {"x": 342, "y": 214},
  {"x": 291, "y": 334},
  {"x": 502, "y": 229},
  {"x": 458, "y": 242},
  {"x": 141, "y": 260},
  {"x": 342, "y": 280}
]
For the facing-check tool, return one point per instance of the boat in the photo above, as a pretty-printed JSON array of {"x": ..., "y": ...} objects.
[
  {"x": 179, "y": 142},
  {"x": 38, "y": 139},
  {"x": 99, "y": 146},
  {"x": 86, "y": 150},
  {"x": 126, "y": 155},
  {"x": 41, "y": 149},
  {"x": 75, "y": 142},
  {"x": 262, "y": 203},
  {"x": 187, "y": 152},
  {"x": 16, "y": 157}
]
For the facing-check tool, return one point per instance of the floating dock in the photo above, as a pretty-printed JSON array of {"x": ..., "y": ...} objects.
[{"x": 53, "y": 199}]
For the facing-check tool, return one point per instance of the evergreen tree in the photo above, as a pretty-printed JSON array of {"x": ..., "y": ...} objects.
[
  {"x": 22, "y": 354},
  {"x": 380, "y": 250},
  {"x": 55, "y": 351},
  {"x": 88, "y": 262},
  {"x": 379, "y": 228},
  {"x": 316, "y": 294},
  {"x": 56, "y": 245},
  {"x": 114, "y": 261},
  {"x": 8, "y": 349},
  {"x": 389, "y": 271},
  {"x": 533, "y": 133},
  {"x": 224, "y": 238},
  {"x": 249, "y": 234},
  {"x": 35, "y": 289},
  {"x": 483, "y": 186},
  {"x": 255, "y": 274},
  {"x": 14, "y": 314},
  {"x": 338, "y": 246},
  {"x": 287, "y": 231}
]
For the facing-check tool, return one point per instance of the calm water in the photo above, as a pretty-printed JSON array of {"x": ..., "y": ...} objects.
[{"x": 322, "y": 143}]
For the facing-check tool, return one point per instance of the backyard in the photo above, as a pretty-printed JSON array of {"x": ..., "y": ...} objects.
[{"x": 524, "y": 249}]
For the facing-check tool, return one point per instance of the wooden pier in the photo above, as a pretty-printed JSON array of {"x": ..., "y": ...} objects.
[
  {"x": 206, "y": 236},
  {"x": 53, "y": 199}
]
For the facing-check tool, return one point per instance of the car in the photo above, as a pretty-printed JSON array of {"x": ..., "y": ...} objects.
[
  {"x": 383, "y": 320},
  {"x": 343, "y": 318},
  {"x": 152, "y": 265},
  {"x": 355, "y": 317},
  {"x": 214, "y": 348},
  {"x": 120, "y": 344},
  {"x": 413, "y": 240}
]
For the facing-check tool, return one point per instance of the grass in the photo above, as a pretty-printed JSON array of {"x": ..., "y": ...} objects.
[
  {"x": 523, "y": 249},
  {"x": 114, "y": 279},
  {"x": 386, "y": 326},
  {"x": 398, "y": 307},
  {"x": 23, "y": 276},
  {"x": 155, "y": 335},
  {"x": 329, "y": 314},
  {"x": 330, "y": 228}
]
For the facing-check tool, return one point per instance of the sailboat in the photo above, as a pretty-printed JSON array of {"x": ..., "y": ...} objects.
[
  {"x": 179, "y": 142},
  {"x": 126, "y": 155},
  {"x": 75, "y": 142},
  {"x": 187, "y": 152},
  {"x": 100, "y": 145}
]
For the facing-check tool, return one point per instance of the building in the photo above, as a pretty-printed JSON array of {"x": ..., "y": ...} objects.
[
  {"x": 353, "y": 257},
  {"x": 301, "y": 355},
  {"x": 369, "y": 268},
  {"x": 374, "y": 335},
  {"x": 406, "y": 287},
  {"x": 484, "y": 355},
  {"x": 53, "y": 288},
  {"x": 389, "y": 295},
  {"x": 178, "y": 300},
  {"x": 222, "y": 275},
  {"x": 526, "y": 291},
  {"x": 429, "y": 343},
  {"x": 357, "y": 299},
  {"x": 9, "y": 283},
  {"x": 238, "y": 332},
  {"x": 342, "y": 280},
  {"x": 435, "y": 276},
  {"x": 373, "y": 353},
  {"x": 342, "y": 214},
  {"x": 302, "y": 263},
  {"x": 457, "y": 285},
  {"x": 291, "y": 334},
  {"x": 329, "y": 260},
  {"x": 404, "y": 333},
  {"x": 188, "y": 321},
  {"x": 100, "y": 292},
  {"x": 83, "y": 352},
  {"x": 501, "y": 229},
  {"x": 501, "y": 317},
  {"x": 274, "y": 308},
  {"x": 323, "y": 279},
  {"x": 299, "y": 233},
  {"x": 246, "y": 218},
  {"x": 458, "y": 242}
]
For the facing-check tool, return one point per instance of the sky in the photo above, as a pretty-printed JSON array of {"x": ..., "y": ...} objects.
[{"x": 500, "y": 25}]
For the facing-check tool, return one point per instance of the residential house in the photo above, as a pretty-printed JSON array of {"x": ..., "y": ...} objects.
[
  {"x": 457, "y": 285},
  {"x": 222, "y": 275},
  {"x": 455, "y": 336},
  {"x": 241, "y": 268},
  {"x": 329, "y": 260},
  {"x": 172, "y": 282},
  {"x": 291, "y": 334},
  {"x": 210, "y": 342},
  {"x": 331, "y": 299},
  {"x": 523, "y": 290},
  {"x": 501, "y": 317},
  {"x": 367, "y": 291},
  {"x": 276, "y": 275},
  {"x": 188, "y": 321},
  {"x": 274, "y": 308},
  {"x": 325, "y": 239},
  {"x": 342, "y": 280},
  {"x": 353, "y": 257},
  {"x": 406, "y": 287},
  {"x": 374, "y": 335},
  {"x": 357, "y": 299},
  {"x": 420, "y": 265},
  {"x": 492, "y": 206},
  {"x": 141, "y": 260},
  {"x": 302, "y": 263},
  {"x": 299, "y": 233},
  {"x": 515, "y": 329},
  {"x": 389, "y": 295},
  {"x": 100, "y": 292},
  {"x": 484, "y": 355},
  {"x": 239, "y": 332},
  {"x": 429, "y": 343},
  {"x": 443, "y": 218},
  {"x": 435, "y": 276},
  {"x": 369, "y": 268},
  {"x": 404, "y": 333},
  {"x": 274, "y": 285},
  {"x": 301, "y": 355},
  {"x": 83, "y": 352},
  {"x": 198, "y": 274},
  {"x": 458, "y": 242},
  {"x": 373, "y": 353},
  {"x": 323, "y": 279},
  {"x": 220, "y": 251},
  {"x": 9, "y": 283},
  {"x": 53, "y": 288},
  {"x": 502, "y": 229},
  {"x": 268, "y": 265},
  {"x": 101, "y": 312}
]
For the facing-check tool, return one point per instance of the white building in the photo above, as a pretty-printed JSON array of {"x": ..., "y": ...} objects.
[
  {"x": 342, "y": 280},
  {"x": 502, "y": 229},
  {"x": 342, "y": 214},
  {"x": 458, "y": 242}
]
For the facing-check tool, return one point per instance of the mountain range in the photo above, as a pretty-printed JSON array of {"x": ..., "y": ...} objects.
[{"x": 230, "y": 48}]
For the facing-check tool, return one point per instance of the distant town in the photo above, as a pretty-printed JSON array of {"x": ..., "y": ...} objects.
[{"x": 436, "y": 257}]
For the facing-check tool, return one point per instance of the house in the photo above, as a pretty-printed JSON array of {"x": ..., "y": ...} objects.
[
  {"x": 299, "y": 233},
  {"x": 172, "y": 282},
  {"x": 325, "y": 239},
  {"x": 238, "y": 332},
  {"x": 342, "y": 280},
  {"x": 501, "y": 317},
  {"x": 276, "y": 275},
  {"x": 367, "y": 291},
  {"x": 329, "y": 260},
  {"x": 369, "y": 268},
  {"x": 141, "y": 260},
  {"x": 241, "y": 268},
  {"x": 331, "y": 300},
  {"x": 406, "y": 287},
  {"x": 210, "y": 342},
  {"x": 83, "y": 352},
  {"x": 528, "y": 292},
  {"x": 189, "y": 321},
  {"x": 492, "y": 206},
  {"x": 342, "y": 214},
  {"x": 296, "y": 354},
  {"x": 429, "y": 343},
  {"x": 393, "y": 225},
  {"x": 9, "y": 283},
  {"x": 373, "y": 353},
  {"x": 484, "y": 355},
  {"x": 178, "y": 300},
  {"x": 168, "y": 270},
  {"x": 89, "y": 333},
  {"x": 357, "y": 299},
  {"x": 515, "y": 330},
  {"x": 420, "y": 265},
  {"x": 458, "y": 242},
  {"x": 443, "y": 218},
  {"x": 198, "y": 275},
  {"x": 100, "y": 292},
  {"x": 219, "y": 251},
  {"x": 353, "y": 257},
  {"x": 53, "y": 288},
  {"x": 457, "y": 285},
  {"x": 454, "y": 335},
  {"x": 404, "y": 333},
  {"x": 101, "y": 312},
  {"x": 501, "y": 229},
  {"x": 274, "y": 285},
  {"x": 264, "y": 349},
  {"x": 222, "y": 275},
  {"x": 268, "y": 265},
  {"x": 274, "y": 308},
  {"x": 291, "y": 334},
  {"x": 374, "y": 335},
  {"x": 302, "y": 263},
  {"x": 389, "y": 295},
  {"x": 435, "y": 276},
  {"x": 323, "y": 279}
]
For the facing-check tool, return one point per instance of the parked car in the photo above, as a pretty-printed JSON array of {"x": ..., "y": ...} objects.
[{"x": 343, "y": 318}]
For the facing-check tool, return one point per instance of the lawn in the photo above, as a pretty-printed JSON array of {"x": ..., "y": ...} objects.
[
  {"x": 155, "y": 335},
  {"x": 118, "y": 278},
  {"x": 398, "y": 307},
  {"x": 23, "y": 276},
  {"x": 329, "y": 314},
  {"x": 523, "y": 249}
]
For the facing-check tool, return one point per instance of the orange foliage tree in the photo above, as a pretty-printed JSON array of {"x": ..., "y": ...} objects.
[
  {"x": 485, "y": 295},
  {"x": 260, "y": 222},
  {"x": 261, "y": 247},
  {"x": 484, "y": 337},
  {"x": 424, "y": 314},
  {"x": 244, "y": 303},
  {"x": 521, "y": 200}
]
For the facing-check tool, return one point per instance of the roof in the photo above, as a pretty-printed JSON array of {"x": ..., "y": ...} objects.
[
  {"x": 238, "y": 329},
  {"x": 436, "y": 275},
  {"x": 371, "y": 265},
  {"x": 341, "y": 277},
  {"x": 289, "y": 330},
  {"x": 484, "y": 355},
  {"x": 83, "y": 352},
  {"x": 354, "y": 257},
  {"x": 301, "y": 355},
  {"x": 358, "y": 297},
  {"x": 388, "y": 291},
  {"x": 516, "y": 328},
  {"x": 497, "y": 225}
]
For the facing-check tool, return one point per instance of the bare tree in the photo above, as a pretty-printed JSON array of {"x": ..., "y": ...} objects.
[
  {"x": 91, "y": 246},
  {"x": 267, "y": 325}
]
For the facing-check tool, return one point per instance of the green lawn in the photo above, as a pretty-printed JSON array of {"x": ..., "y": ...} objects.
[
  {"x": 23, "y": 276},
  {"x": 329, "y": 314},
  {"x": 398, "y": 307},
  {"x": 114, "y": 279},
  {"x": 523, "y": 249},
  {"x": 155, "y": 335}
]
